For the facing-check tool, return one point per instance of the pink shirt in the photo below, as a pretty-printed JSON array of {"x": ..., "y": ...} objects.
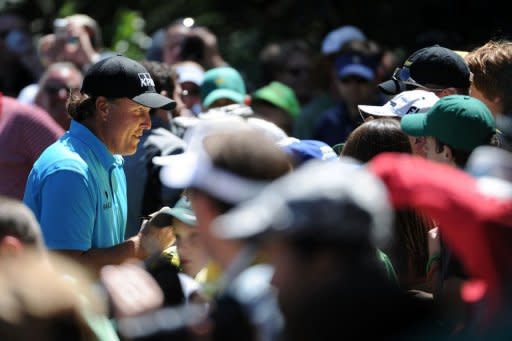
[{"x": 25, "y": 131}]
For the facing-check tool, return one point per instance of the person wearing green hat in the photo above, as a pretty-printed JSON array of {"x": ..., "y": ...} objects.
[
  {"x": 222, "y": 86},
  {"x": 453, "y": 128},
  {"x": 192, "y": 255},
  {"x": 277, "y": 103}
]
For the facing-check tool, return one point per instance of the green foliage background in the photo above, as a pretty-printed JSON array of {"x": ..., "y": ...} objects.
[{"x": 244, "y": 27}]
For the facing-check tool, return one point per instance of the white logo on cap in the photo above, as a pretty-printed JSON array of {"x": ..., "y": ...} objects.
[{"x": 145, "y": 79}]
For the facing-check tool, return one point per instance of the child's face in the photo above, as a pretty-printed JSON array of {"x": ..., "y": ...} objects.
[{"x": 193, "y": 256}]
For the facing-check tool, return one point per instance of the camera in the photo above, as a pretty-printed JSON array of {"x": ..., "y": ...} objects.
[{"x": 60, "y": 28}]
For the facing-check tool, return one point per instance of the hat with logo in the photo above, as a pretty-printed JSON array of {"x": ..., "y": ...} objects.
[
  {"x": 335, "y": 39},
  {"x": 462, "y": 122},
  {"x": 118, "y": 76},
  {"x": 407, "y": 102},
  {"x": 280, "y": 95},
  {"x": 355, "y": 64},
  {"x": 430, "y": 65},
  {"x": 222, "y": 82},
  {"x": 311, "y": 201}
]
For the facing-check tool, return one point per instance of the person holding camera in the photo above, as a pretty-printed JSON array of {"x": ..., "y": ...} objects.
[{"x": 78, "y": 40}]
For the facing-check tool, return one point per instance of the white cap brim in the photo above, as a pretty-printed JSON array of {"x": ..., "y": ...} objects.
[{"x": 376, "y": 110}]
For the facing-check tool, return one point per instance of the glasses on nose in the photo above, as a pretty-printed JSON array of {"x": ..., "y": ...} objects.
[{"x": 403, "y": 75}]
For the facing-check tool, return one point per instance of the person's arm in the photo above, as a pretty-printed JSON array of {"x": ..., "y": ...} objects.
[
  {"x": 149, "y": 241},
  {"x": 67, "y": 221}
]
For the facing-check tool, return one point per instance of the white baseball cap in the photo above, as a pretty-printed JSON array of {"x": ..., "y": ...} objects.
[
  {"x": 189, "y": 72},
  {"x": 406, "y": 102}
]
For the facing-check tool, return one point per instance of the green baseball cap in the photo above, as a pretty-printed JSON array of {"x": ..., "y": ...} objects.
[
  {"x": 182, "y": 211},
  {"x": 280, "y": 95},
  {"x": 222, "y": 82},
  {"x": 462, "y": 122}
]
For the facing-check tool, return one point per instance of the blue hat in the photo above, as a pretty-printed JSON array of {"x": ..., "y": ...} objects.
[
  {"x": 335, "y": 39},
  {"x": 303, "y": 150},
  {"x": 355, "y": 64}
]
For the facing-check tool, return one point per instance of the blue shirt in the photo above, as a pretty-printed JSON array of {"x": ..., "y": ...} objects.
[
  {"x": 77, "y": 191},
  {"x": 334, "y": 125}
]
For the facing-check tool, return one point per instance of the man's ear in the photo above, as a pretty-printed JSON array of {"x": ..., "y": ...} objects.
[
  {"x": 447, "y": 153},
  {"x": 102, "y": 106},
  {"x": 10, "y": 246}
]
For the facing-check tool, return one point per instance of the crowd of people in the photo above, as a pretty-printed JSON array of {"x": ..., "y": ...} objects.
[{"x": 352, "y": 194}]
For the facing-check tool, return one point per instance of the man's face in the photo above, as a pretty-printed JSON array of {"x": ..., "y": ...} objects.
[
  {"x": 54, "y": 93},
  {"x": 296, "y": 74},
  {"x": 355, "y": 90},
  {"x": 431, "y": 151},
  {"x": 124, "y": 126},
  {"x": 190, "y": 95}
]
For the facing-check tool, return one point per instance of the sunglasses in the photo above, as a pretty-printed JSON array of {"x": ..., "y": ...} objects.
[
  {"x": 54, "y": 89},
  {"x": 403, "y": 75}
]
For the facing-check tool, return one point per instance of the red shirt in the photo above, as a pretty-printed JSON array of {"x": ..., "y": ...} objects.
[
  {"x": 25, "y": 131},
  {"x": 470, "y": 222}
]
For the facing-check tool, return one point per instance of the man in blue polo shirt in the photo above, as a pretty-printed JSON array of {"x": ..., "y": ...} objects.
[{"x": 77, "y": 187}]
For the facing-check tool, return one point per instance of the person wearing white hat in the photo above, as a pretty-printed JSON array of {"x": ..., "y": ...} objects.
[
  {"x": 190, "y": 76},
  {"x": 405, "y": 103}
]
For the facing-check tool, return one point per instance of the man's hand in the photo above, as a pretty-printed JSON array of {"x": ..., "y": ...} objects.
[{"x": 156, "y": 233}]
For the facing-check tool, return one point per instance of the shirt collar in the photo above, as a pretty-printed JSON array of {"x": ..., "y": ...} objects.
[{"x": 99, "y": 149}]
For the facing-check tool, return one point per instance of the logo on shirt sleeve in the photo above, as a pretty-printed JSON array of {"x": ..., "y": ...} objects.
[{"x": 107, "y": 204}]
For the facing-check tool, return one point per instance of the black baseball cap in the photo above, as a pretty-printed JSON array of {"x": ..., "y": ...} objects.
[
  {"x": 118, "y": 76},
  {"x": 431, "y": 65}
]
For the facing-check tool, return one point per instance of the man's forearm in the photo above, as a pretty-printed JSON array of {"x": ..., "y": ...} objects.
[{"x": 99, "y": 257}]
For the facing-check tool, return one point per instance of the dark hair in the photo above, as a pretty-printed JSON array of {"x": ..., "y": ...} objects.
[
  {"x": 80, "y": 106},
  {"x": 460, "y": 157},
  {"x": 409, "y": 249},
  {"x": 17, "y": 220},
  {"x": 374, "y": 137}
]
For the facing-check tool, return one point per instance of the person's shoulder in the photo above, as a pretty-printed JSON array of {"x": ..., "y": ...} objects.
[
  {"x": 28, "y": 115},
  {"x": 332, "y": 114},
  {"x": 12, "y": 105},
  {"x": 59, "y": 157}
]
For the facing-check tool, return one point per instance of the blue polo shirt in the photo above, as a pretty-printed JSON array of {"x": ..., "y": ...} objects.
[{"x": 77, "y": 191}]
